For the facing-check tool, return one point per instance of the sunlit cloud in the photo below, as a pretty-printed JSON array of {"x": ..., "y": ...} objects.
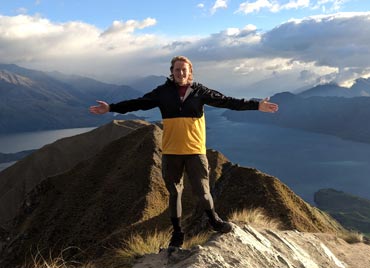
[
  {"x": 337, "y": 41},
  {"x": 274, "y": 6},
  {"x": 219, "y": 4},
  {"x": 129, "y": 26},
  {"x": 251, "y": 7}
]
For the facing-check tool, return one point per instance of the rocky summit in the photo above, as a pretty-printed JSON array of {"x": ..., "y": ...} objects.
[
  {"x": 112, "y": 188},
  {"x": 247, "y": 247}
]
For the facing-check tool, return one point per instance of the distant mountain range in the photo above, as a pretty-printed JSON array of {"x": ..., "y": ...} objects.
[
  {"x": 33, "y": 100},
  {"x": 361, "y": 88},
  {"x": 328, "y": 109},
  {"x": 343, "y": 117}
]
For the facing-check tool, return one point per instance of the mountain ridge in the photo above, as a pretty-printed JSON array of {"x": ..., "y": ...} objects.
[
  {"x": 337, "y": 116},
  {"x": 361, "y": 88},
  {"x": 34, "y": 100},
  {"x": 101, "y": 200},
  {"x": 54, "y": 100},
  {"x": 17, "y": 180}
]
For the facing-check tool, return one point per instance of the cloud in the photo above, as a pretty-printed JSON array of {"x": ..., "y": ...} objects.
[
  {"x": 339, "y": 40},
  {"x": 329, "y": 5},
  {"x": 200, "y": 5},
  {"x": 250, "y": 7},
  {"x": 274, "y": 5},
  {"x": 21, "y": 10},
  {"x": 218, "y": 4},
  {"x": 297, "y": 53},
  {"x": 74, "y": 47},
  {"x": 333, "y": 48},
  {"x": 128, "y": 26},
  {"x": 296, "y": 4}
]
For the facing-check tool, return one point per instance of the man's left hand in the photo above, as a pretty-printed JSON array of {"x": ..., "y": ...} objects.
[{"x": 268, "y": 107}]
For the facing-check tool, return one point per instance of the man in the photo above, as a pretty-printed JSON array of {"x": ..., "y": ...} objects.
[{"x": 181, "y": 102}]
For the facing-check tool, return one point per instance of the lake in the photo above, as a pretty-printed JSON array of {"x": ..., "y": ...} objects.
[
  {"x": 305, "y": 161},
  {"x": 13, "y": 143}
]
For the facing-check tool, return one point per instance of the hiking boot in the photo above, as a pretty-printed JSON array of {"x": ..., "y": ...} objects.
[
  {"x": 177, "y": 239},
  {"x": 217, "y": 223},
  {"x": 222, "y": 226}
]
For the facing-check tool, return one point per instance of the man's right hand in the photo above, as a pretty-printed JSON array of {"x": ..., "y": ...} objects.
[{"x": 102, "y": 108}]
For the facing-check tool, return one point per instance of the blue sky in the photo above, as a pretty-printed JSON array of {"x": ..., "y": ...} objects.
[
  {"x": 262, "y": 46},
  {"x": 179, "y": 17}
]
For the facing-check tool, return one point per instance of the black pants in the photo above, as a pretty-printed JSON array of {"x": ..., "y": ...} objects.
[{"x": 196, "y": 167}]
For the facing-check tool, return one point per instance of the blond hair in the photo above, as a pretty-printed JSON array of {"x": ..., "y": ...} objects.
[{"x": 184, "y": 59}]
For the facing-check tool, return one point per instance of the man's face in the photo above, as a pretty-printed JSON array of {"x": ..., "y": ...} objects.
[{"x": 181, "y": 72}]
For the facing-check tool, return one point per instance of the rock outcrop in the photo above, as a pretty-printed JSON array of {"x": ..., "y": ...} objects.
[{"x": 248, "y": 247}]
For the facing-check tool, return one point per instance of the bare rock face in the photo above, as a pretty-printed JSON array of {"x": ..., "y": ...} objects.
[{"x": 250, "y": 248}]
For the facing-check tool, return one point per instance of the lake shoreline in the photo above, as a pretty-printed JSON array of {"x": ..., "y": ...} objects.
[{"x": 305, "y": 161}]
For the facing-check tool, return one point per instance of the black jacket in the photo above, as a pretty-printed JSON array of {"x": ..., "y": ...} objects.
[{"x": 183, "y": 121}]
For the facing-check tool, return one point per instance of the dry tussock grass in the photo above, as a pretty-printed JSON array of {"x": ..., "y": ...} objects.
[
  {"x": 352, "y": 237},
  {"x": 199, "y": 239},
  {"x": 134, "y": 247},
  {"x": 255, "y": 217},
  {"x": 138, "y": 245},
  {"x": 41, "y": 261}
]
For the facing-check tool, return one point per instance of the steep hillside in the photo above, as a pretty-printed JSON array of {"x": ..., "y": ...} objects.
[
  {"x": 20, "y": 178},
  {"x": 106, "y": 195},
  {"x": 241, "y": 187},
  {"x": 33, "y": 100},
  {"x": 351, "y": 211},
  {"x": 100, "y": 202}
]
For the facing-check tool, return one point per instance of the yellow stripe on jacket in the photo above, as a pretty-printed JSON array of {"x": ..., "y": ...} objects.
[{"x": 184, "y": 135}]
